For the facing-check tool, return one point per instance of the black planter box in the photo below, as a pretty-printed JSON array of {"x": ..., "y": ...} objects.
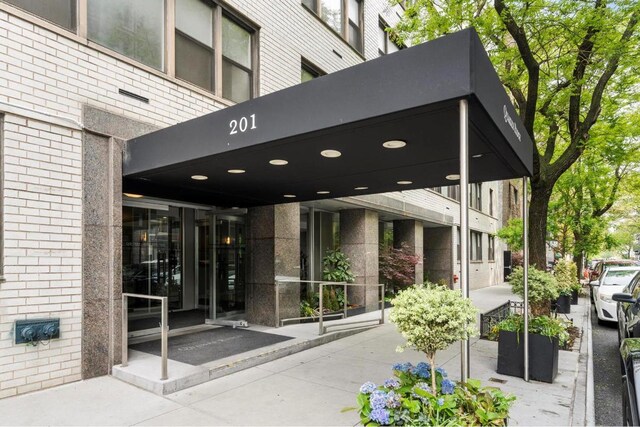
[
  {"x": 563, "y": 304},
  {"x": 543, "y": 356},
  {"x": 574, "y": 297}
]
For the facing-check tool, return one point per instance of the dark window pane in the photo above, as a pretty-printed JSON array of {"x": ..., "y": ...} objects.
[
  {"x": 355, "y": 38},
  {"x": 311, "y": 4},
  {"x": 306, "y": 75},
  {"x": 236, "y": 82},
  {"x": 132, "y": 28},
  {"x": 59, "y": 12},
  {"x": 194, "y": 62}
]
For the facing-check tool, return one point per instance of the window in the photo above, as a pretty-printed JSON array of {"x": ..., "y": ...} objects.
[
  {"x": 237, "y": 75},
  {"x": 459, "y": 236},
  {"x": 344, "y": 17},
  {"x": 475, "y": 196},
  {"x": 59, "y": 12},
  {"x": 132, "y": 28},
  {"x": 476, "y": 246},
  {"x": 1, "y": 198},
  {"x": 453, "y": 192},
  {"x": 491, "y": 248},
  {"x": 385, "y": 44},
  {"x": 309, "y": 71},
  {"x": 198, "y": 26},
  {"x": 195, "y": 54},
  {"x": 491, "y": 201}
]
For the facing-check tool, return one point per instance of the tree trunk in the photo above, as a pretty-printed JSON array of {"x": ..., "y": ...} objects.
[
  {"x": 538, "y": 209},
  {"x": 578, "y": 256}
]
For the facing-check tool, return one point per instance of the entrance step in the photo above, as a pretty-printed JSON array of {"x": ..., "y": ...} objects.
[{"x": 143, "y": 369}]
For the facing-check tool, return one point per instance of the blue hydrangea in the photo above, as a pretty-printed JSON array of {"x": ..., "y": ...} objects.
[
  {"x": 367, "y": 387},
  {"x": 424, "y": 386},
  {"x": 402, "y": 367},
  {"x": 422, "y": 370},
  {"x": 442, "y": 372},
  {"x": 378, "y": 399},
  {"x": 440, "y": 401},
  {"x": 392, "y": 383},
  {"x": 380, "y": 416},
  {"x": 447, "y": 386},
  {"x": 393, "y": 400}
]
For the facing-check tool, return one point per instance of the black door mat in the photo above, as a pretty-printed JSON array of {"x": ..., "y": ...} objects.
[
  {"x": 206, "y": 346},
  {"x": 177, "y": 319}
]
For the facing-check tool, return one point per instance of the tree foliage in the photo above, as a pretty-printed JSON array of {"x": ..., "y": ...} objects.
[
  {"x": 512, "y": 234},
  {"x": 570, "y": 67},
  {"x": 432, "y": 317},
  {"x": 398, "y": 266}
]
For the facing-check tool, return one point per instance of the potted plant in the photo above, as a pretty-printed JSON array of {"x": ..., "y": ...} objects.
[
  {"x": 430, "y": 318},
  {"x": 545, "y": 334},
  {"x": 566, "y": 273}
]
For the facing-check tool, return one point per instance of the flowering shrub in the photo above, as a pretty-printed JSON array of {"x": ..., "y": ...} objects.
[
  {"x": 407, "y": 399},
  {"x": 431, "y": 318}
]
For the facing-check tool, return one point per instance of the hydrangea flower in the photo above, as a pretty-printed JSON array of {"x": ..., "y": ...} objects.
[
  {"x": 367, "y": 387},
  {"x": 442, "y": 371},
  {"x": 393, "y": 400},
  {"x": 440, "y": 401},
  {"x": 423, "y": 370},
  {"x": 380, "y": 416},
  {"x": 402, "y": 367},
  {"x": 378, "y": 399},
  {"x": 392, "y": 383},
  {"x": 447, "y": 386},
  {"x": 424, "y": 386}
]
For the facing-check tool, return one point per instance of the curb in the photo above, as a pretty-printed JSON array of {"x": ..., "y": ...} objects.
[{"x": 590, "y": 418}]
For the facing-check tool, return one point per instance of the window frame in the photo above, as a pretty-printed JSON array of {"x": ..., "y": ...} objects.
[
  {"x": 491, "y": 202},
  {"x": 382, "y": 25},
  {"x": 475, "y": 240},
  {"x": 75, "y": 9},
  {"x": 222, "y": 12},
  {"x": 311, "y": 68},
  {"x": 2, "y": 122},
  {"x": 344, "y": 21},
  {"x": 491, "y": 247}
]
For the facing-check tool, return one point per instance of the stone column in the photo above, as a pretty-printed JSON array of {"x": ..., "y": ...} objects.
[
  {"x": 438, "y": 254},
  {"x": 410, "y": 233},
  {"x": 359, "y": 242},
  {"x": 273, "y": 249},
  {"x": 102, "y": 255}
]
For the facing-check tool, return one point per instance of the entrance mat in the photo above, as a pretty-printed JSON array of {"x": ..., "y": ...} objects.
[{"x": 206, "y": 346}]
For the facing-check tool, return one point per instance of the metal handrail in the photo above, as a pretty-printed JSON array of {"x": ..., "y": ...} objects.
[
  {"x": 164, "y": 326},
  {"x": 321, "y": 283}
]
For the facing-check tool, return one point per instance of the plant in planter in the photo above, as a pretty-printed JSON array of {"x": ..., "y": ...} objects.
[
  {"x": 545, "y": 333},
  {"x": 431, "y": 318},
  {"x": 336, "y": 267},
  {"x": 566, "y": 273}
]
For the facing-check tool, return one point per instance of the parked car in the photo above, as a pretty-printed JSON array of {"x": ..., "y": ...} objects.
[
  {"x": 613, "y": 280},
  {"x": 630, "y": 358},
  {"x": 600, "y": 266},
  {"x": 628, "y": 309}
]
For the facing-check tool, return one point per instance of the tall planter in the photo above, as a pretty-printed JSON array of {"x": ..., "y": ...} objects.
[
  {"x": 563, "y": 304},
  {"x": 543, "y": 356},
  {"x": 574, "y": 297}
]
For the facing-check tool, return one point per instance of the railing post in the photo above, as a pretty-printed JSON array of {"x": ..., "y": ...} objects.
[
  {"x": 320, "y": 319},
  {"x": 277, "y": 304},
  {"x": 345, "y": 311},
  {"x": 164, "y": 325},
  {"x": 382, "y": 310},
  {"x": 125, "y": 327}
]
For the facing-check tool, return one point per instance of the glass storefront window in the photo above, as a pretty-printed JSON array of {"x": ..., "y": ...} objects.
[{"x": 152, "y": 256}]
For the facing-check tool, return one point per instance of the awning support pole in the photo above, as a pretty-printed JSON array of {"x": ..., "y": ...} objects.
[
  {"x": 525, "y": 240},
  {"x": 464, "y": 227}
]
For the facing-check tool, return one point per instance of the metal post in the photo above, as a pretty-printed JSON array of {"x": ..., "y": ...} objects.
[
  {"x": 124, "y": 326},
  {"x": 382, "y": 304},
  {"x": 164, "y": 325},
  {"x": 345, "y": 310},
  {"x": 525, "y": 239},
  {"x": 320, "y": 325},
  {"x": 277, "y": 291},
  {"x": 464, "y": 227}
]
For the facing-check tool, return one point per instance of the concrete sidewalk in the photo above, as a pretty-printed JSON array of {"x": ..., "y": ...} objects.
[{"x": 310, "y": 387}]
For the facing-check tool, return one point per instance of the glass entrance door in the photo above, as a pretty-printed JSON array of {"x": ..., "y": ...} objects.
[{"x": 230, "y": 266}]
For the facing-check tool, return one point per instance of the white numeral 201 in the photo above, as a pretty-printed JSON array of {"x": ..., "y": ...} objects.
[{"x": 242, "y": 125}]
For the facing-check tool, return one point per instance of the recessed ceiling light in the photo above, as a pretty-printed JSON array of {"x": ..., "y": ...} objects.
[
  {"x": 323, "y": 192},
  {"x": 290, "y": 196},
  {"x": 477, "y": 156},
  {"x": 133, "y": 196},
  {"x": 394, "y": 143},
  {"x": 332, "y": 154},
  {"x": 361, "y": 188},
  {"x": 453, "y": 177},
  {"x": 199, "y": 177},
  {"x": 278, "y": 162},
  {"x": 236, "y": 171},
  {"x": 405, "y": 182}
]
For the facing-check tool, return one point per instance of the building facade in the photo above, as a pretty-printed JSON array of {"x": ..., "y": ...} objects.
[{"x": 78, "y": 78}]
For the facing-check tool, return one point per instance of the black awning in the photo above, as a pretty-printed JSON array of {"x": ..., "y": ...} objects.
[{"x": 411, "y": 95}]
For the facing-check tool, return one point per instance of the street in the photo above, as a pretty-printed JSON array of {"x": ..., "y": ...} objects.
[{"x": 606, "y": 373}]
